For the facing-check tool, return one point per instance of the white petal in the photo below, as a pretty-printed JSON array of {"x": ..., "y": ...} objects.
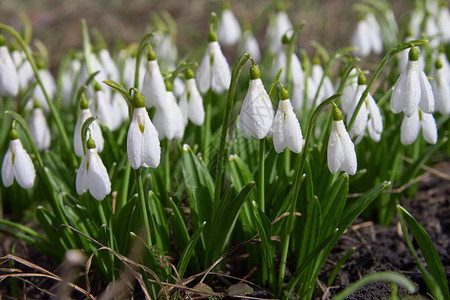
[
  {"x": 429, "y": 129},
  {"x": 97, "y": 178},
  {"x": 9, "y": 79},
  {"x": 23, "y": 167},
  {"x": 151, "y": 149},
  {"x": 7, "y": 169},
  {"x": 108, "y": 64},
  {"x": 256, "y": 115},
  {"x": 293, "y": 132},
  {"x": 426, "y": 103},
  {"x": 196, "y": 111},
  {"x": 134, "y": 141},
  {"x": 221, "y": 74},
  {"x": 375, "y": 115},
  {"x": 250, "y": 44},
  {"x": 441, "y": 89},
  {"x": 204, "y": 73},
  {"x": 297, "y": 75},
  {"x": 228, "y": 30},
  {"x": 349, "y": 163},
  {"x": 410, "y": 129},
  {"x": 82, "y": 181},
  {"x": 178, "y": 87},
  {"x": 39, "y": 129},
  {"x": 335, "y": 151},
  {"x": 298, "y": 96}
]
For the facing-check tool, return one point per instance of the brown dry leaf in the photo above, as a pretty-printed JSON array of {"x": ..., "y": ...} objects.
[{"x": 239, "y": 289}]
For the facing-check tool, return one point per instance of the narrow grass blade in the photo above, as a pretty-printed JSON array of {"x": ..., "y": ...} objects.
[{"x": 189, "y": 251}]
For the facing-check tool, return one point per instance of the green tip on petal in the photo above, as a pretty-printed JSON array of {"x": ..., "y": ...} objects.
[
  {"x": 13, "y": 135},
  {"x": 151, "y": 55},
  {"x": 441, "y": 49},
  {"x": 255, "y": 73},
  {"x": 414, "y": 54},
  {"x": 2, "y": 40},
  {"x": 90, "y": 143},
  {"x": 169, "y": 85},
  {"x": 189, "y": 74},
  {"x": 84, "y": 104},
  {"x": 212, "y": 36},
  {"x": 284, "y": 94},
  {"x": 138, "y": 100},
  {"x": 361, "y": 79},
  {"x": 438, "y": 64},
  {"x": 337, "y": 114},
  {"x": 40, "y": 63},
  {"x": 408, "y": 32},
  {"x": 36, "y": 104}
]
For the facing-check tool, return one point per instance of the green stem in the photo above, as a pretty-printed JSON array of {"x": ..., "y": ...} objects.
[
  {"x": 206, "y": 129},
  {"x": 123, "y": 196},
  {"x": 166, "y": 147},
  {"x": 221, "y": 157},
  {"x": 388, "y": 56},
  {"x": 262, "y": 154},
  {"x": 86, "y": 46},
  {"x": 142, "y": 46},
  {"x": 59, "y": 124},
  {"x": 143, "y": 208}
]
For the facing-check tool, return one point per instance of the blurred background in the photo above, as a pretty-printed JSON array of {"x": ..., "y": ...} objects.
[{"x": 56, "y": 23}]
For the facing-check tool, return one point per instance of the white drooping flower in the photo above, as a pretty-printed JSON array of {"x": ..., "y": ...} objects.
[
  {"x": 256, "y": 116},
  {"x": 178, "y": 87},
  {"x": 286, "y": 128},
  {"x": 250, "y": 44},
  {"x": 50, "y": 87},
  {"x": 24, "y": 69},
  {"x": 39, "y": 130},
  {"x": 106, "y": 112},
  {"x": 108, "y": 64},
  {"x": 367, "y": 36},
  {"x": 165, "y": 47},
  {"x": 369, "y": 115},
  {"x": 17, "y": 164},
  {"x": 278, "y": 26},
  {"x": 349, "y": 91},
  {"x": 441, "y": 88},
  {"x": 444, "y": 23},
  {"x": 327, "y": 89},
  {"x": 341, "y": 153},
  {"x": 191, "y": 102},
  {"x": 153, "y": 87},
  {"x": 9, "y": 79},
  {"x": 168, "y": 118},
  {"x": 143, "y": 145},
  {"x": 412, "y": 89},
  {"x": 229, "y": 30},
  {"x": 411, "y": 126},
  {"x": 96, "y": 133},
  {"x": 120, "y": 108},
  {"x": 67, "y": 81},
  {"x": 214, "y": 72},
  {"x": 92, "y": 174}
]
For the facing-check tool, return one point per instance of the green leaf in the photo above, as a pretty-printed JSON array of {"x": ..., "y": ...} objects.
[
  {"x": 376, "y": 277},
  {"x": 429, "y": 252},
  {"x": 189, "y": 251},
  {"x": 338, "y": 266},
  {"x": 179, "y": 228}
]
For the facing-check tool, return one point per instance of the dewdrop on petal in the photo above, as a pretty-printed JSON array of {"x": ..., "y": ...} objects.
[
  {"x": 191, "y": 102},
  {"x": 214, "y": 72},
  {"x": 441, "y": 88},
  {"x": 256, "y": 116},
  {"x": 143, "y": 145},
  {"x": 412, "y": 89},
  {"x": 39, "y": 130},
  {"x": 153, "y": 87},
  {"x": 286, "y": 129},
  {"x": 411, "y": 126},
  {"x": 17, "y": 164},
  {"x": 229, "y": 30},
  {"x": 9, "y": 78},
  {"x": 84, "y": 114},
  {"x": 341, "y": 153},
  {"x": 92, "y": 174}
]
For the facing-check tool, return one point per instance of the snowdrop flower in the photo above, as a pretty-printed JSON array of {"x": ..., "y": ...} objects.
[
  {"x": 404, "y": 55},
  {"x": 214, "y": 72},
  {"x": 24, "y": 69},
  {"x": 108, "y": 64},
  {"x": 120, "y": 108},
  {"x": 178, "y": 87},
  {"x": 444, "y": 22},
  {"x": 341, "y": 153},
  {"x": 286, "y": 128},
  {"x": 349, "y": 91},
  {"x": 39, "y": 128},
  {"x": 250, "y": 44},
  {"x": 153, "y": 87},
  {"x": 67, "y": 80},
  {"x": 368, "y": 116},
  {"x": 327, "y": 89},
  {"x": 277, "y": 28},
  {"x": 367, "y": 36},
  {"x": 17, "y": 164},
  {"x": 49, "y": 84},
  {"x": 441, "y": 88},
  {"x": 92, "y": 174},
  {"x": 165, "y": 47},
  {"x": 411, "y": 126},
  {"x": 143, "y": 146},
  {"x": 191, "y": 102},
  {"x": 229, "y": 30},
  {"x": 412, "y": 89},
  {"x": 168, "y": 118},
  {"x": 106, "y": 112},
  {"x": 256, "y": 117},
  {"x": 9, "y": 79},
  {"x": 95, "y": 131}
]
